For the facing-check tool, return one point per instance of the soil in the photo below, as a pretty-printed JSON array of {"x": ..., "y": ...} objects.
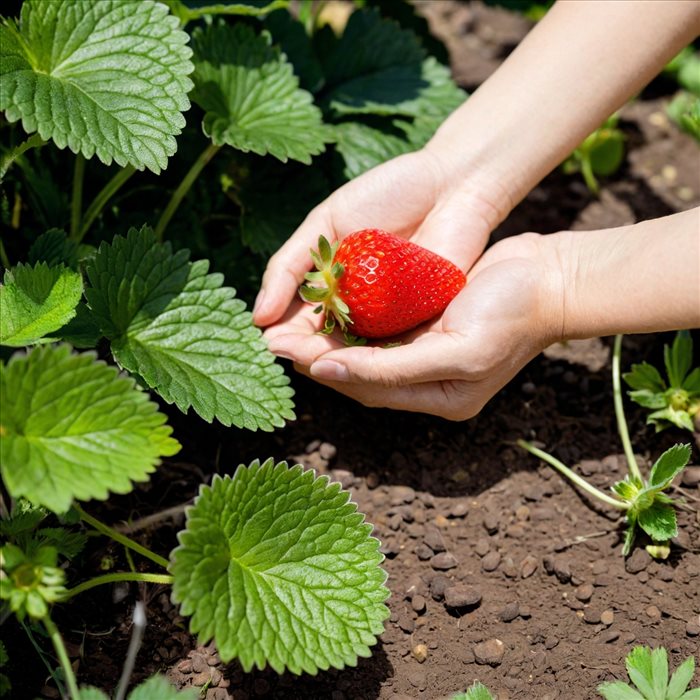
[{"x": 499, "y": 570}]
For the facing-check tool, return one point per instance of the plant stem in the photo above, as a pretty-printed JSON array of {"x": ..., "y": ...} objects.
[
  {"x": 76, "y": 208},
  {"x": 620, "y": 412},
  {"x": 113, "y": 578},
  {"x": 42, "y": 655},
  {"x": 184, "y": 187},
  {"x": 63, "y": 659},
  {"x": 573, "y": 476},
  {"x": 11, "y": 156},
  {"x": 122, "y": 539},
  {"x": 102, "y": 197},
  {"x": 3, "y": 256}
]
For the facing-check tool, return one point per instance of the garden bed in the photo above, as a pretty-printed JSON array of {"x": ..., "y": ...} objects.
[{"x": 549, "y": 608}]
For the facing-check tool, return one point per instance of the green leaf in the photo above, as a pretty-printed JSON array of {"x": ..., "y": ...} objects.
[
  {"x": 251, "y": 95},
  {"x": 662, "y": 418},
  {"x": 645, "y": 398},
  {"x": 194, "y": 9},
  {"x": 684, "y": 110},
  {"x": 668, "y": 465},
  {"x": 477, "y": 691},
  {"x": 158, "y": 688},
  {"x": 626, "y": 490},
  {"x": 678, "y": 358},
  {"x": 105, "y": 78},
  {"x": 692, "y": 382},
  {"x": 689, "y": 73},
  {"x": 280, "y": 568},
  {"x": 83, "y": 330},
  {"x": 640, "y": 663},
  {"x": 73, "y": 429},
  {"x": 35, "y": 301},
  {"x": 658, "y": 521},
  {"x": 607, "y": 152},
  {"x": 184, "y": 334},
  {"x": 363, "y": 147},
  {"x": 680, "y": 679},
  {"x": 630, "y": 534},
  {"x": 644, "y": 376},
  {"x": 54, "y": 248},
  {"x": 68, "y": 544},
  {"x": 617, "y": 690},
  {"x": 89, "y": 692}
]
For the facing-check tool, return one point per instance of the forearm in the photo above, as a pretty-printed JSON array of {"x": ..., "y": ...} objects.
[
  {"x": 633, "y": 279},
  {"x": 574, "y": 69}
]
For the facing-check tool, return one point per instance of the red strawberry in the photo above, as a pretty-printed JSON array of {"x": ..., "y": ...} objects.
[{"x": 377, "y": 285}]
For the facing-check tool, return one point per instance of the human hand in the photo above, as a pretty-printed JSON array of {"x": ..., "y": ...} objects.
[
  {"x": 420, "y": 196},
  {"x": 508, "y": 312}
]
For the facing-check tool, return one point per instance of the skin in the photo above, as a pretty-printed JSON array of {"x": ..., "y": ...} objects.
[{"x": 526, "y": 291}]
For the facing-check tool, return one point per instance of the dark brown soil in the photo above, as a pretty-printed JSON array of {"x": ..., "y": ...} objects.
[{"x": 504, "y": 572}]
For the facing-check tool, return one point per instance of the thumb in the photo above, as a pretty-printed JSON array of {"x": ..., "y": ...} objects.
[{"x": 435, "y": 357}]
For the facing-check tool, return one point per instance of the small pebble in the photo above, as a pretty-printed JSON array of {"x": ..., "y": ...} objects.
[
  {"x": 584, "y": 592},
  {"x": 509, "y": 612},
  {"x": 491, "y": 561},
  {"x": 461, "y": 596},
  {"x": 433, "y": 538},
  {"x": 482, "y": 547},
  {"x": 420, "y": 653},
  {"x": 443, "y": 561},
  {"x": 691, "y": 476},
  {"x": 591, "y": 616},
  {"x": 653, "y": 612},
  {"x": 522, "y": 513},
  {"x": 610, "y": 636},
  {"x": 528, "y": 566},
  {"x": 489, "y": 652},
  {"x": 607, "y": 617},
  {"x": 550, "y": 643},
  {"x": 491, "y": 522},
  {"x": 438, "y": 585},
  {"x": 423, "y": 552},
  {"x": 459, "y": 510},
  {"x": 418, "y": 604},
  {"x": 638, "y": 561},
  {"x": 692, "y": 629},
  {"x": 327, "y": 451},
  {"x": 372, "y": 480},
  {"x": 406, "y": 623}
]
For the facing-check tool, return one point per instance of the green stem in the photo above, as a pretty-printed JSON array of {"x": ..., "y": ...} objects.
[
  {"x": 11, "y": 156},
  {"x": 113, "y": 578},
  {"x": 573, "y": 476},
  {"x": 76, "y": 208},
  {"x": 3, "y": 256},
  {"x": 184, "y": 187},
  {"x": 102, "y": 197},
  {"x": 63, "y": 659},
  {"x": 42, "y": 655},
  {"x": 587, "y": 172},
  {"x": 620, "y": 413},
  {"x": 122, "y": 539}
]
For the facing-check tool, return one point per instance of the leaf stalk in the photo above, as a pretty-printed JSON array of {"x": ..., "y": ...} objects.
[
  {"x": 573, "y": 476},
  {"x": 620, "y": 412},
  {"x": 34, "y": 141},
  {"x": 114, "y": 578},
  {"x": 101, "y": 199},
  {"x": 60, "y": 647},
  {"x": 122, "y": 539},
  {"x": 184, "y": 187}
]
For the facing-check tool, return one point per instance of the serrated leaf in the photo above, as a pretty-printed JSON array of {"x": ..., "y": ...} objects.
[
  {"x": 678, "y": 358},
  {"x": 158, "y": 688},
  {"x": 644, "y": 376},
  {"x": 279, "y": 568},
  {"x": 35, "y": 301},
  {"x": 82, "y": 331},
  {"x": 54, "y": 248},
  {"x": 104, "y": 78},
  {"x": 184, "y": 334},
  {"x": 363, "y": 147},
  {"x": 658, "y": 521},
  {"x": 667, "y": 415},
  {"x": 68, "y": 544},
  {"x": 646, "y": 398},
  {"x": 680, "y": 679},
  {"x": 617, "y": 690},
  {"x": 625, "y": 490},
  {"x": 251, "y": 97},
  {"x": 73, "y": 429},
  {"x": 640, "y": 667},
  {"x": 668, "y": 465}
]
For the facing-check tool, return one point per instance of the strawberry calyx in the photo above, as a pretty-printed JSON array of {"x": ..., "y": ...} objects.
[{"x": 325, "y": 290}]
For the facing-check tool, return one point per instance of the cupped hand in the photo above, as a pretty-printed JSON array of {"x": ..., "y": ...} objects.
[
  {"x": 419, "y": 196},
  {"x": 509, "y": 311}
]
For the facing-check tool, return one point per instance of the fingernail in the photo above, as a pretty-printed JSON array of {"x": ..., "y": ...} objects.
[
  {"x": 328, "y": 369},
  {"x": 258, "y": 301}
]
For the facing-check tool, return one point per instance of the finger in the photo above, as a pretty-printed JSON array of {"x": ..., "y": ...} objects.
[
  {"x": 452, "y": 400},
  {"x": 434, "y": 357},
  {"x": 304, "y": 348},
  {"x": 298, "y": 318},
  {"x": 286, "y": 268},
  {"x": 456, "y": 229}
]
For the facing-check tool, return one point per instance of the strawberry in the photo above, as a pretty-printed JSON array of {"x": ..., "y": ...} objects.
[{"x": 376, "y": 285}]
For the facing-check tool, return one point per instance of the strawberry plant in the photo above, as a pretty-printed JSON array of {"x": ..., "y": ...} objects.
[
  {"x": 379, "y": 285},
  {"x": 674, "y": 400},
  {"x": 477, "y": 691},
  {"x": 648, "y": 672},
  {"x": 645, "y": 502}
]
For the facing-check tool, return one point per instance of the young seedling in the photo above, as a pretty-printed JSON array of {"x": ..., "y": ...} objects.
[
  {"x": 600, "y": 154},
  {"x": 675, "y": 400},
  {"x": 648, "y": 672},
  {"x": 478, "y": 691},
  {"x": 644, "y": 501}
]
